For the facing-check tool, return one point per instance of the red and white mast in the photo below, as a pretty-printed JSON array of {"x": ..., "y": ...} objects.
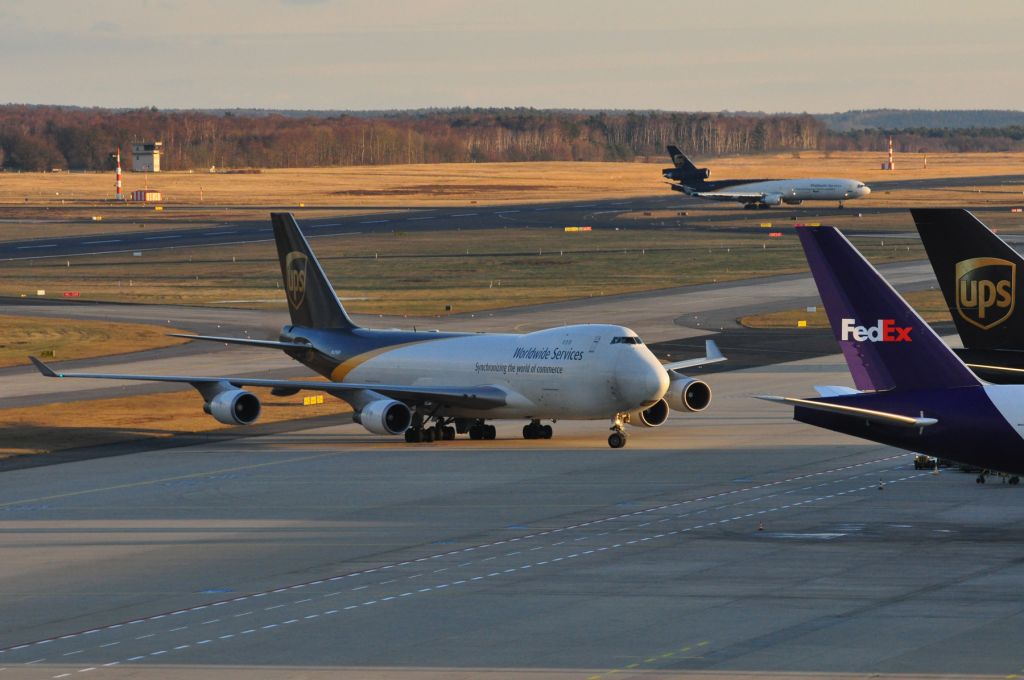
[{"x": 119, "y": 196}]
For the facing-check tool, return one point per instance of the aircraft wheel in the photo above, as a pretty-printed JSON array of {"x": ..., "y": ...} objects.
[
  {"x": 490, "y": 432},
  {"x": 449, "y": 433},
  {"x": 980, "y": 479},
  {"x": 1015, "y": 480},
  {"x": 617, "y": 439},
  {"x": 475, "y": 432},
  {"x": 547, "y": 432},
  {"x": 428, "y": 435},
  {"x": 528, "y": 431}
]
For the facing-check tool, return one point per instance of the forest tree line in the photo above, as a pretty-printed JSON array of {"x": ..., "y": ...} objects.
[{"x": 47, "y": 137}]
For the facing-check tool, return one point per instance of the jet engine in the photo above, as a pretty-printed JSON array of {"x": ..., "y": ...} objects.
[
  {"x": 687, "y": 394},
  {"x": 772, "y": 199},
  {"x": 653, "y": 416},
  {"x": 234, "y": 407},
  {"x": 384, "y": 416}
]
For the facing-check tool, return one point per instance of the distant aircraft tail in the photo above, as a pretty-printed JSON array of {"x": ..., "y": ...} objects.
[
  {"x": 979, "y": 274},
  {"x": 886, "y": 344},
  {"x": 684, "y": 171},
  {"x": 312, "y": 301}
]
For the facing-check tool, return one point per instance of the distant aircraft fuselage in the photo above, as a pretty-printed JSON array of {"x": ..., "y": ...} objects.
[{"x": 759, "y": 193}]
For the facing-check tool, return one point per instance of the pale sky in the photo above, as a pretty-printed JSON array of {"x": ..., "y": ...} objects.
[{"x": 779, "y": 55}]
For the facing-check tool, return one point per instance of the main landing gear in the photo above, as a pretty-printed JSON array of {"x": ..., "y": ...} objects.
[
  {"x": 617, "y": 439},
  {"x": 537, "y": 431},
  {"x": 422, "y": 431},
  {"x": 431, "y": 433},
  {"x": 481, "y": 430}
]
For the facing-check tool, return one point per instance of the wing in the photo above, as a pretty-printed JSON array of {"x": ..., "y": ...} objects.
[
  {"x": 276, "y": 344},
  {"x": 712, "y": 355},
  {"x": 865, "y": 413},
  {"x": 475, "y": 397},
  {"x": 748, "y": 197}
]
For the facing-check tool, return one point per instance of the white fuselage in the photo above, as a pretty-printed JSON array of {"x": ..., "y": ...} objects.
[
  {"x": 792, "y": 190},
  {"x": 579, "y": 372}
]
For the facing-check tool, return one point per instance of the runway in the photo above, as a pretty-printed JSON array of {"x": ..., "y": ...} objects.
[
  {"x": 734, "y": 541},
  {"x": 595, "y": 213}
]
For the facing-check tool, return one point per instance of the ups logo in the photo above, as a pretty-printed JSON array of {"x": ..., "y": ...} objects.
[
  {"x": 295, "y": 278},
  {"x": 985, "y": 290}
]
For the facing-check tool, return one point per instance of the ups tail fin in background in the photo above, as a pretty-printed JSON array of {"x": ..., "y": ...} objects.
[
  {"x": 684, "y": 171},
  {"x": 979, "y": 274},
  {"x": 312, "y": 301},
  {"x": 885, "y": 343}
]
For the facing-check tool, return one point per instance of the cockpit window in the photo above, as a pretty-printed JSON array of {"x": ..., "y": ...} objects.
[{"x": 627, "y": 340}]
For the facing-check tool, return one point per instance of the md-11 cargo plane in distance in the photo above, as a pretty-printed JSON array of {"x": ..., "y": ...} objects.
[
  {"x": 432, "y": 385},
  {"x": 913, "y": 391},
  {"x": 758, "y": 193}
]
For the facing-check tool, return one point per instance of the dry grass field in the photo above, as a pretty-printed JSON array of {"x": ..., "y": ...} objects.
[
  {"x": 32, "y": 430},
  {"x": 449, "y": 184},
  {"x": 418, "y": 274},
  {"x": 928, "y": 303},
  {"x": 65, "y": 339}
]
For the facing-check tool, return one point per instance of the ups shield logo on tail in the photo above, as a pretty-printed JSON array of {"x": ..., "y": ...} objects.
[
  {"x": 295, "y": 278},
  {"x": 986, "y": 290}
]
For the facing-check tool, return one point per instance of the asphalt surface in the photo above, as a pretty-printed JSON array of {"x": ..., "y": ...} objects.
[
  {"x": 595, "y": 213},
  {"x": 731, "y": 542}
]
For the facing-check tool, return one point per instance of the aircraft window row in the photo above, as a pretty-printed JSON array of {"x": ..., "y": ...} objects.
[{"x": 627, "y": 340}]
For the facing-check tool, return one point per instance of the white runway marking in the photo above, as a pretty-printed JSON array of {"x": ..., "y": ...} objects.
[{"x": 594, "y": 550}]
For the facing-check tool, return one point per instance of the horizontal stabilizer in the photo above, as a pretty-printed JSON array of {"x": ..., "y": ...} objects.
[
  {"x": 712, "y": 355},
  {"x": 1006, "y": 370},
  {"x": 841, "y": 409},
  {"x": 834, "y": 390},
  {"x": 276, "y": 344},
  {"x": 478, "y": 396}
]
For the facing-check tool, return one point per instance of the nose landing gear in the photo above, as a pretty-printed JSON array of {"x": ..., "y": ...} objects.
[{"x": 617, "y": 439}]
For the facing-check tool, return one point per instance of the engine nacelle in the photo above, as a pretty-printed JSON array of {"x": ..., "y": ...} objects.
[
  {"x": 704, "y": 172},
  {"x": 687, "y": 394},
  {"x": 384, "y": 416},
  {"x": 653, "y": 416},
  {"x": 772, "y": 199},
  {"x": 234, "y": 407},
  {"x": 792, "y": 201}
]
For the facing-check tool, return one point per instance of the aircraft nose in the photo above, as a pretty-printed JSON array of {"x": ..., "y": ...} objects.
[
  {"x": 640, "y": 378},
  {"x": 865, "y": 190}
]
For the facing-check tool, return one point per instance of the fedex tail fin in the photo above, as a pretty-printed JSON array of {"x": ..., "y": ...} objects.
[
  {"x": 886, "y": 344},
  {"x": 312, "y": 301},
  {"x": 684, "y": 171},
  {"x": 979, "y": 274}
]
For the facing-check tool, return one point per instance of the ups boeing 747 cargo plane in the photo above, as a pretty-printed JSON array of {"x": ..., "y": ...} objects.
[{"x": 432, "y": 385}]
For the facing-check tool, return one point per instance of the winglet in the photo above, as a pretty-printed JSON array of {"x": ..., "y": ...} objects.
[
  {"x": 43, "y": 368},
  {"x": 712, "y": 355},
  {"x": 712, "y": 352}
]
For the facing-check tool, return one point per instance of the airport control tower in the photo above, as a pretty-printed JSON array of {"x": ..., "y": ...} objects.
[{"x": 146, "y": 156}]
